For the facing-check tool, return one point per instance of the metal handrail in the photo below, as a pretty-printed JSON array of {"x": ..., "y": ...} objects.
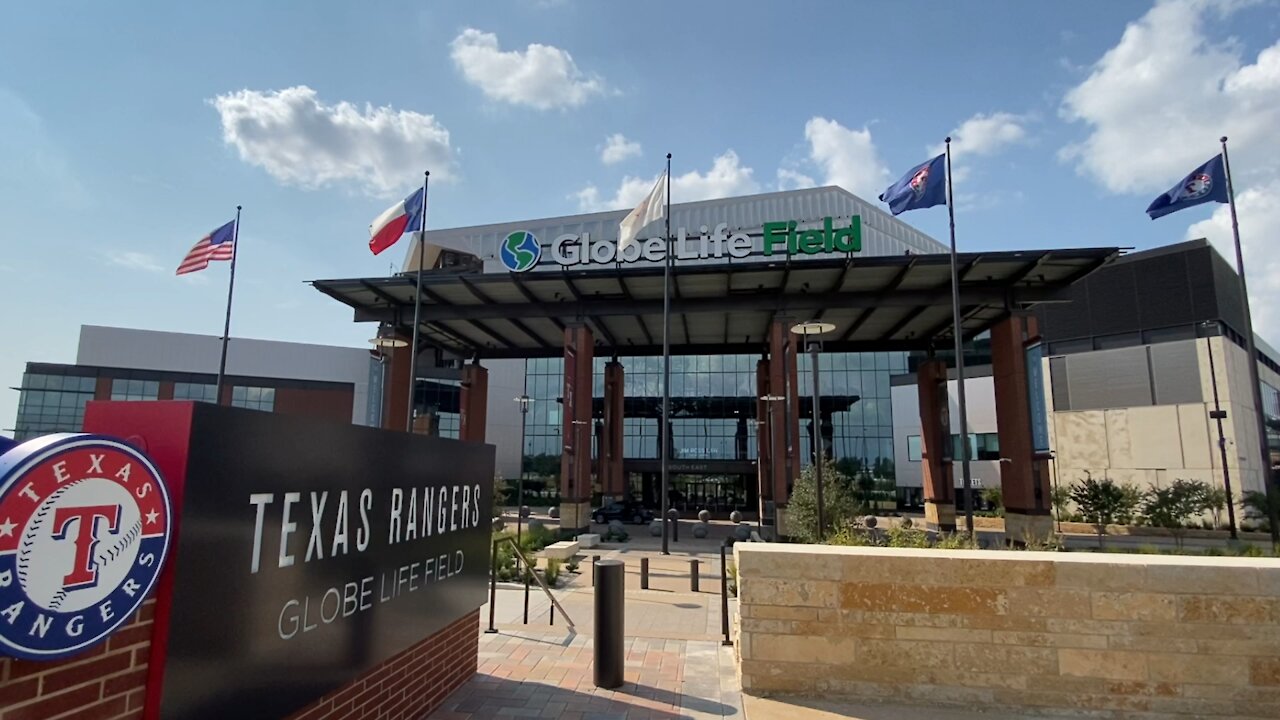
[{"x": 528, "y": 571}]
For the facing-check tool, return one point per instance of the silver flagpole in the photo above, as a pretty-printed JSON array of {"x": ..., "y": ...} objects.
[
  {"x": 666, "y": 369},
  {"x": 958, "y": 331},
  {"x": 417, "y": 305},
  {"x": 226, "y": 326},
  {"x": 1268, "y": 482}
]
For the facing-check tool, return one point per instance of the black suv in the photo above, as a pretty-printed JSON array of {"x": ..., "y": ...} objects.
[{"x": 625, "y": 511}]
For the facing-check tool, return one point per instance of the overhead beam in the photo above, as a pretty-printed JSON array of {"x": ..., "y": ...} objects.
[
  {"x": 597, "y": 324},
  {"x": 528, "y": 295},
  {"x": 484, "y": 298},
  {"x": 858, "y": 323},
  {"x": 904, "y": 322},
  {"x": 626, "y": 293},
  {"x": 985, "y": 293}
]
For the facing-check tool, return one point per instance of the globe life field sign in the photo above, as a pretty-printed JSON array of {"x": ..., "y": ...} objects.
[{"x": 520, "y": 251}]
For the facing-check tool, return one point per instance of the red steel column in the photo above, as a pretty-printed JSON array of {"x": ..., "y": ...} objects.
[
  {"x": 474, "y": 403},
  {"x": 784, "y": 414},
  {"x": 1024, "y": 480},
  {"x": 575, "y": 457},
  {"x": 935, "y": 446},
  {"x": 395, "y": 387},
  {"x": 612, "y": 480}
]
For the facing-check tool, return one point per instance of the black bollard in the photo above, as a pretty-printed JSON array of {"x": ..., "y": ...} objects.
[
  {"x": 693, "y": 576},
  {"x": 675, "y": 524},
  {"x": 644, "y": 573},
  {"x": 594, "y": 559},
  {"x": 610, "y": 655}
]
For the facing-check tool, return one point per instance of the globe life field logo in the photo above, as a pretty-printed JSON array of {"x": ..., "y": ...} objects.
[
  {"x": 84, "y": 529},
  {"x": 520, "y": 251}
]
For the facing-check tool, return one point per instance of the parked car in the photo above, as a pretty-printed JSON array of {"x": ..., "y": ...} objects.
[{"x": 625, "y": 511}]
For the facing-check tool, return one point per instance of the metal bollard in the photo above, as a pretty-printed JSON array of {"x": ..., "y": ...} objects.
[
  {"x": 675, "y": 524},
  {"x": 724, "y": 592},
  {"x": 610, "y": 654},
  {"x": 644, "y": 573},
  {"x": 594, "y": 560},
  {"x": 693, "y": 576}
]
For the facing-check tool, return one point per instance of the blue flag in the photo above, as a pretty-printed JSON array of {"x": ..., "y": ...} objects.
[
  {"x": 924, "y": 186},
  {"x": 1207, "y": 183}
]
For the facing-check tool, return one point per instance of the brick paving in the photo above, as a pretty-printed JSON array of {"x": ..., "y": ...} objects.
[{"x": 676, "y": 666}]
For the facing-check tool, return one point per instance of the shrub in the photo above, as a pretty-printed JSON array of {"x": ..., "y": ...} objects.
[
  {"x": 994, "y": 497},
  {"x": 906, "y": 537},
  {"x": 572, "y": 565},
  {"x": 552, "y": 572},
  {"x": 954, "y": 541},
  {"x": 732, "y": 571},
  {"x": 1173, "y": 506},
  {"x": 535, "y": 538},
  {"x": 849, "y": 537},
  {"x": 615, "y": 534},
  {"x": 838, "y": 504},
  {"x": 1102, "y": 502},
  {"x": 1257, "y": 509}
]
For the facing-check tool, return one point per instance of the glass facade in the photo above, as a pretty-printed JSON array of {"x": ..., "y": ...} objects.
[
  {"x": 254, "y": 398},
  {"x": 52, "y": 404},
  {"x": 441, "y": 398},
  {"x": 126, "y": 389},
  {"x": 203, "y": 392},
  {"x": 714, "y": 415}
]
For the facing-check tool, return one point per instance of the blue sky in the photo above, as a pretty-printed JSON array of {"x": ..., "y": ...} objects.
[{"x": 128, "y": 130}]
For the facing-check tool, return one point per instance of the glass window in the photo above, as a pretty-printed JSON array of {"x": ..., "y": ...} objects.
[
  {"x": 57, "y": 406},
  {"x": 130, "y": 389},
  {"x": 913, "y": 448},
  {"x": 254, "y": 398},
  {"x": 202, "y": 392}
]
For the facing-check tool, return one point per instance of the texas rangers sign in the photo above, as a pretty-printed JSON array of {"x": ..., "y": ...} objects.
[{"x": 84, "y": 529}]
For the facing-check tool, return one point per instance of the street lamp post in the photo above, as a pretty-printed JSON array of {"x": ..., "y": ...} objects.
[
  {"x": 523, "y": 401},
  {"x": 814, "y": 328},
  {"x": 1219, "y": 415},
  {"x": 773, "y": 459}
]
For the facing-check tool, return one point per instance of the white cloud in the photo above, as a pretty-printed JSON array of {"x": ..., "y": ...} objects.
[
  {"x": 1155, "y": 105},
  {"x": 1259, "y": 212},
  {"x": 848, "y": 158},
  {"x": 301, "y": 141},
  {"x": 726, "y": 178},
  {"x": 542, "y": 76},
  {"x": 1156, "y": 102},
  {"x": 136, "y": 261},
  {"x": 618, "y": 148},
  {"x": 789, "y": 179},
  {"x": 982, "y": 135}
]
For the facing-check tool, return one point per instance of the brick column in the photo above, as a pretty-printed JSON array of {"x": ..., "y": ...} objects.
[
  {"x": 474, "y": 403},
  {"x": 612, "y": 479},
  {"x": 935, "y": 446},
  {"x": 1024, "y": 480},
  {"x": 395, "y": 388},
  {"x": 575, "y": 457},
  {"x": 785, "y": 415}
]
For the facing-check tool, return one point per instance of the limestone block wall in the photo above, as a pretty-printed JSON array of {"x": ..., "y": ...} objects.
[{"x": 1139, "y": 636}]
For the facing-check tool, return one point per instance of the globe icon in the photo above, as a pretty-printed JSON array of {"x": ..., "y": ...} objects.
[{"x": 520, "y": 251}]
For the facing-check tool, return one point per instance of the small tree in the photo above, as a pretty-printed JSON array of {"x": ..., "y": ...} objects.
[
  {"x": 1257, "y": 507},
  {"x": 1061, "y": 498},
  {"x": 1102, "y": 502},
  {"x": 1171, "y": 507},
  {"x": 838, "y": 504},
  {"x": 994, "y": 497},
  {"x": 1215, "y": 501}
]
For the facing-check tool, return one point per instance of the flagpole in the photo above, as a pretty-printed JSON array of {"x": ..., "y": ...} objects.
[
  {"x": 958, "y": 331},
  {"x": 666, "y": 369},
  {"x": 226, "y": 326},
  {"x": 1268, "y": 482},
  {"x": 417, "y": 305}
]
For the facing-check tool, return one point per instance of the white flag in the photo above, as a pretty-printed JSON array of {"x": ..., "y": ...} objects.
[{"x": 653, "y": 207}]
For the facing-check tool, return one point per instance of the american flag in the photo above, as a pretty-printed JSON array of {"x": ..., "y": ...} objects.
[{"x": 217, "y": 245}]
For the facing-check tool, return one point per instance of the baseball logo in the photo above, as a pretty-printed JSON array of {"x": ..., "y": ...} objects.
[{"x": 84, "y": 528}]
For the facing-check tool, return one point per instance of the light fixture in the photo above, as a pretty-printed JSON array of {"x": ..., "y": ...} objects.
[
  {"x": 812, "y": 327},
  {"x": 387, "y": 338}
]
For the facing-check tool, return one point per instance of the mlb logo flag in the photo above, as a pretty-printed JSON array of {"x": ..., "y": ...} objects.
[
  {"x": 924, "y": 186},
  {"x": 1207, "y": 183}
]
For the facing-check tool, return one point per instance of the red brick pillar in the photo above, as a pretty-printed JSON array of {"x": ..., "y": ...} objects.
[
  {"x": 612, "y": 479},
  {"x": 784, "y": 415},
  {"x": 1024, "y": 480},
  {"x": 935, "y": 446},
  {"x": 575, "y": 457},
  {"x": 395, "y": 388},
  {"x": 474, "y": 403}
]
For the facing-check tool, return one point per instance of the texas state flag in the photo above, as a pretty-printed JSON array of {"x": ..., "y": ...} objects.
[{"x": 404, "y": 216}]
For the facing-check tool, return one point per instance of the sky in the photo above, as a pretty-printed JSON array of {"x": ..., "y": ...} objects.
[{"x": 129, "y": 130}]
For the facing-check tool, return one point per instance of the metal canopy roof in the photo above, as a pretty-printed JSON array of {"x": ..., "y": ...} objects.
[{"x": 900, "y": 302}]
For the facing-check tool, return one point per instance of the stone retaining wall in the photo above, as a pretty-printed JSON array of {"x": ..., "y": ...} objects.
[{"x": 1141, "y": 636}]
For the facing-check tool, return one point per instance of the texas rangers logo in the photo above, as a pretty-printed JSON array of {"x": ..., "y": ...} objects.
[
  {"x": 1197, "y": 186},
  {"x": 84, "y": 528},
  {"x": 920, "y": 181}
]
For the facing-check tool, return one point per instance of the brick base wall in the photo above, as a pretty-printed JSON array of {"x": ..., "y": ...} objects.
[
  {"x": 104, "y": 683},
  {"x": 407, "y": 686}
]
